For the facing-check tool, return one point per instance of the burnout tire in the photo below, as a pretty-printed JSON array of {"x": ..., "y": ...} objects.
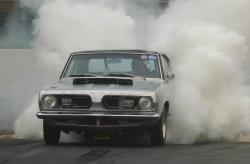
[
  {"x": 158, "y": 132},
  {"x": 51, "y": 134}
]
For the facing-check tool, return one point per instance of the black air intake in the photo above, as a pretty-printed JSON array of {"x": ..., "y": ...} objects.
[
  {"x": 102, "y": 81},
  {"x": 114, "y": 102},
  {"x": 76, "y": 101}
]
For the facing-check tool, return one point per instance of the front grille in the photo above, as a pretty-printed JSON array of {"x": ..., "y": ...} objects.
[
  {"x": 76, "y": 101},
  {"x": 114, "y": 102}
]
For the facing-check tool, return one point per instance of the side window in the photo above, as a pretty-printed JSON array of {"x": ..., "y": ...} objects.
[{"x": 165, "y": 64}]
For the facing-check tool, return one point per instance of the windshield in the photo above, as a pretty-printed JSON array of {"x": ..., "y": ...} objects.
[{"x": 120, "y": 65}]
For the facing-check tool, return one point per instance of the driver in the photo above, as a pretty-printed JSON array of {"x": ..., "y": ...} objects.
[{"x": 140, "y": 68}]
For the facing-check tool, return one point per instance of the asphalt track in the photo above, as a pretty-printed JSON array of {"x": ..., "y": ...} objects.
[{"x": 18, "y": 151}]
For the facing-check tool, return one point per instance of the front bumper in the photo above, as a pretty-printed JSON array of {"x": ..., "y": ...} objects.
[
  {"x": 99, "y": 121},
  {"x": 56, "y": 115}
]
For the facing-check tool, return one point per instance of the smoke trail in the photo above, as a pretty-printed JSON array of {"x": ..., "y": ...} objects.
[
  {"x": 210, "y": 96},
  {"x": 20, "y": 73},
  {"x": 207, "y": 41},
  {"x": 33, "y": 126}
]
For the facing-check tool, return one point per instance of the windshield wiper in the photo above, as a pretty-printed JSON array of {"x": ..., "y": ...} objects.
[
  {"x": 84, "y": 75},
  {"x": 124, "y": 75}
]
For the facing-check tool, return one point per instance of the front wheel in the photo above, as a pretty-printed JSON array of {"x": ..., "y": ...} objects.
[
  {"x": 51, "y": 134},
  {"x": 158, "y": 133}
]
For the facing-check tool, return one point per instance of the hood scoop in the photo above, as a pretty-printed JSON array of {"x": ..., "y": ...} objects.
[{"x": 102, "y": 81}]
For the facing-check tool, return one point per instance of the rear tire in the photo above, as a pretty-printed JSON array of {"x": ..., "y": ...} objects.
[
  {"x": 51, "y": 134},
  {"x": 158, "y": 133}
]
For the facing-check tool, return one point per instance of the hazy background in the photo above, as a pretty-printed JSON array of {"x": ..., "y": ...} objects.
[{"x": 207, "y": 42}]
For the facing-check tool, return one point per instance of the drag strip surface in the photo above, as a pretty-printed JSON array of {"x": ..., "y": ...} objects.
[{"x": 29, "y": 151}]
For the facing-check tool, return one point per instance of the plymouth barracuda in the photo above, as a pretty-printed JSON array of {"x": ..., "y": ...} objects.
[{"x": 102, "y": 93}]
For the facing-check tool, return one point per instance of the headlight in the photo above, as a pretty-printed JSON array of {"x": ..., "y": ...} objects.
[
  {"x": 145, "y": 103},
  {"x": 50, "y": 101}
]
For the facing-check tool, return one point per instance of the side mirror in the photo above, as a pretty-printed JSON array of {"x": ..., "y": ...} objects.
[{"x": 170, "y": 75}]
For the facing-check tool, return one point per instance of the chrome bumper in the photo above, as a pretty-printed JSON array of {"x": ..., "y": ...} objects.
[
  {"x": 73, "y": 120},
  {"x": 50, "y": 115}
]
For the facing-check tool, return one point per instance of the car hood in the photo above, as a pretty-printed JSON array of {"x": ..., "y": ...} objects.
[{"x": 139, "y": 85}]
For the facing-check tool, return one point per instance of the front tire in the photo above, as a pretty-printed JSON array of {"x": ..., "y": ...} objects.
[
  {"x": 158, "y": 133},
  {"x": 51, "y": 134}
]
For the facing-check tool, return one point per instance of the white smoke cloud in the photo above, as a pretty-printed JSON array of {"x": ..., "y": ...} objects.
[
  {"x": 207, "y": 41},
  {"x": 210, "y": 98},
  {"x": 27, "y": 125},
  {"x": 77, "y": 25}
]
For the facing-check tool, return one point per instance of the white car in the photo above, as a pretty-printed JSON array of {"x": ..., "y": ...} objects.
[{"x": 109, "y": 93}]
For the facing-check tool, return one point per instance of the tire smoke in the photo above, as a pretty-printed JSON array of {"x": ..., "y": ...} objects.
[{"x": 207, "y": 42}]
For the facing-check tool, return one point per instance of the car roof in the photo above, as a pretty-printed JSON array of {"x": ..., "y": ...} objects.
[
  {"x": 129, "y": 51},
  {"x": 135, "y": 51}
]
